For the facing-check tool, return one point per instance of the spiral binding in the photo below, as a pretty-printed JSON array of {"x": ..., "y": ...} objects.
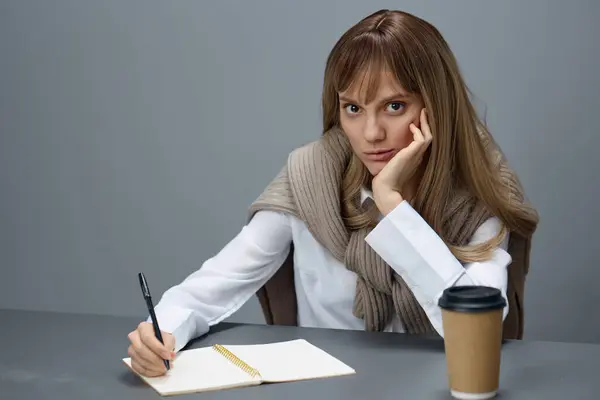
[{"x": 236, "y": 361}]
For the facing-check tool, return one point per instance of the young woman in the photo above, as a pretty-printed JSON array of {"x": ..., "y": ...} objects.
[{"x": 404, "y": 195}]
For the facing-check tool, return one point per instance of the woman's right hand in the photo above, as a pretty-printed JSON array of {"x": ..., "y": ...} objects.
[{"x": 147, "y": 352}]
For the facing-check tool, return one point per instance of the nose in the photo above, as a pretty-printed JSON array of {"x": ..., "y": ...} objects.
[{"x": 374, "y": 132}]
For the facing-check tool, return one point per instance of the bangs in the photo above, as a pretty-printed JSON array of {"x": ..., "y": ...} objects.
[{"x": 362, "y": 61}]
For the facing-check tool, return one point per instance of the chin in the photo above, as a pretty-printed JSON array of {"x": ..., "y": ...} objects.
[{"x": 375, "y": 168}]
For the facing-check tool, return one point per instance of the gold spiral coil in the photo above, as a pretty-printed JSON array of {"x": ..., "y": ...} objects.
[{"x": 236, "y": 361}]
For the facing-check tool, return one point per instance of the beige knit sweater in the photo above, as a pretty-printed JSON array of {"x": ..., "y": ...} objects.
[{"x": 308, "y": 187}]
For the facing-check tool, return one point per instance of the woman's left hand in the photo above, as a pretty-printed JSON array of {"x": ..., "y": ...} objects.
[{"x": 390, "y": 183}]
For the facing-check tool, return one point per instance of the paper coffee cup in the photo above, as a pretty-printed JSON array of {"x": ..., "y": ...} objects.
[{"x": 472, "y": 322}]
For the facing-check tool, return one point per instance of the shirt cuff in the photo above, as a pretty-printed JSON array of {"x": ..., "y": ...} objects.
[
  {"x": 427, "y": 266},
  {"x": 415, "y": 251}
]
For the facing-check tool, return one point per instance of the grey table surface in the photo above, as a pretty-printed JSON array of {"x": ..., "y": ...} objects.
[{"x": 59, "y": 356}]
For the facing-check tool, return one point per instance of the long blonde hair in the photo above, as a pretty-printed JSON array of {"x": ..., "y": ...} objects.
[{"x": 459, "y": 157}]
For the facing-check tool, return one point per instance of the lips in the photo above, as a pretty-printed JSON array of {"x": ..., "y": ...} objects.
[{"x": 381, "y": 155}]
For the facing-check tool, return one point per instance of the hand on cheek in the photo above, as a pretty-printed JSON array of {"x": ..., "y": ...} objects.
[{"x": 390, "y": 184}]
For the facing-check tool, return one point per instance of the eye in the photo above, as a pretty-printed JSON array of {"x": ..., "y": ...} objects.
[
  {"x": 395, "y": 106},
  {"x": 351, "y": 108}
]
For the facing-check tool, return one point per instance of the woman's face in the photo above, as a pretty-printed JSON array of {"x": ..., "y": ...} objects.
[{"x": 380, "y": 129}]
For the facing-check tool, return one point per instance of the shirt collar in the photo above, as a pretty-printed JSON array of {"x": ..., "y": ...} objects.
[{"x": 365, "y": 194}]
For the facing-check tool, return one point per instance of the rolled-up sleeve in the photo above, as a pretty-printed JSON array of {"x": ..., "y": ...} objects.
[
  {"x": 227, "y": 280},
  {"x": 416, "y": 253}
]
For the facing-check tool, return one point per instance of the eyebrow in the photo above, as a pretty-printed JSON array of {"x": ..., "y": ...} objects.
[{"x": 398, "y": 95}]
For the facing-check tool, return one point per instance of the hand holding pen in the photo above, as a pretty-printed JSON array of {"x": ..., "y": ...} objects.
[{"x": 151, "y": 349}]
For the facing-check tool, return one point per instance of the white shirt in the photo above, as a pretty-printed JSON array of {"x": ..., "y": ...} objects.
[{"x": 325, "y": 288}]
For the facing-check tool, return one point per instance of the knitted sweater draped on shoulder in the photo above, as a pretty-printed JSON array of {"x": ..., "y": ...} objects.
[{"x": 308, "y": 187}]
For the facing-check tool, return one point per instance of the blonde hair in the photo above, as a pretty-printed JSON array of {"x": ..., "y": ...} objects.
[{"x": 462, "y": 155}]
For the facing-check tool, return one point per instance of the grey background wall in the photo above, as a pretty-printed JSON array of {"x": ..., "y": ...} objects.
[{"x": 134, "y": 134}]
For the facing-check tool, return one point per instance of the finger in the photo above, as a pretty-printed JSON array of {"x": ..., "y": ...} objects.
[
  {"x": 152, "y": 343},
  {"x": 142, "y": 368},
  {"x": 130, "y": 351},
  {"x": 426, "y": 131},
  {"x": 148, "y": 366},
  {"x": 418, "y": 141},
  {"x": 134, "y": 338},
  {"x": 137, "y": 367},
  {"x": 143, "y": 351},
  {"x": 145, "y": 354},
  {"x": 151, "y": 368},
  {"x": 417, "y": 134},
  {"x": 425, "y": 128},
  {"x": 423, "y": 149}
]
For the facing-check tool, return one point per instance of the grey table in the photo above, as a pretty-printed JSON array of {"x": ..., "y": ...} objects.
[{"x": 58, "y": 356}]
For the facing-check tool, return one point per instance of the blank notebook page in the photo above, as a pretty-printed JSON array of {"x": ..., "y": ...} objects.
[
  {"x": 290, "y": 361},
  {"x": 199, "y": 370}
]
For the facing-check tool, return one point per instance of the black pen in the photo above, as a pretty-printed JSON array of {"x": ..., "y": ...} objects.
[{"x": 148, "y": 298}]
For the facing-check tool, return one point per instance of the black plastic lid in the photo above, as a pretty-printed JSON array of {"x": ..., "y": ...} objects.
[{"x": 472, "y": 299}]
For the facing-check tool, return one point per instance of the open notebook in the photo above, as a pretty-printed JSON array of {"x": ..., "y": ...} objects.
[{"x": 222, "y": 367}]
